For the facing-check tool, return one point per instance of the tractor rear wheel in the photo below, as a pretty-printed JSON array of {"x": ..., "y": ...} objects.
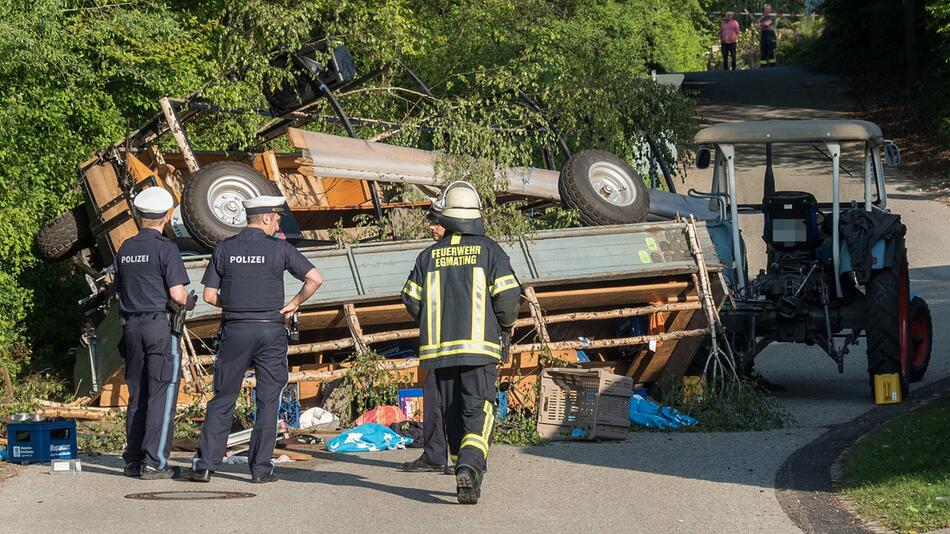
[
  {"x": 887, "y": 309},
  {"x": 604, "y": 189},
  {"x": 921, "y": 339}
]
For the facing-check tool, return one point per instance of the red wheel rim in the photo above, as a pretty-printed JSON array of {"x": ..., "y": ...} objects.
[
  {"x": 919, "y": 341},
  {"x": 903, "y": 313}
]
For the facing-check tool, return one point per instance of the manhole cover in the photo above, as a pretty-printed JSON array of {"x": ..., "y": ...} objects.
[{"x": 188, "y": 495}]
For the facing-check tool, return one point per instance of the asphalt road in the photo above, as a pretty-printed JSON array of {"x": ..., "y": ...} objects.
[{"x": 652, "y": 482}]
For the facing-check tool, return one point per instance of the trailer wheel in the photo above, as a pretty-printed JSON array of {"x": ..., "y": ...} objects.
[
  {"x": 920, "y": 339},
  {"x": 212, "y": 202},
  {"x": 887, "y": 309},
  {"x": 604, "y": 189},
  {"x": 65, "y": 235}
]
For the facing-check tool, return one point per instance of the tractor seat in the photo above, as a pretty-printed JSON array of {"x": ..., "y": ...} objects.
[{"x": 665, "y": 206}]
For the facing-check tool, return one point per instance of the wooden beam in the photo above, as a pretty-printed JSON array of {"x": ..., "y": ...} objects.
[
  {"x": 353, "y": 322},
  {"x": 338, "y": 344},
  {"x": 609, "y": 343},
  {"x": 178, "y": 132},
  {"x": 537, "y": 316},
  {"x": 327, "y": 376}
]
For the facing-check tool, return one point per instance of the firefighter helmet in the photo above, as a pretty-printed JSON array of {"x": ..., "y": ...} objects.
[{"x": 459, "y": 200}]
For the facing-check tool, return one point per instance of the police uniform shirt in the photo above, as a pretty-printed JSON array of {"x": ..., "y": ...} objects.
[
  {"x": 146, "y": 267},
  {"x": 248, "y": 270}
]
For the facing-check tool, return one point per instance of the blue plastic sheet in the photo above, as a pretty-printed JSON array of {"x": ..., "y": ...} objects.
[
  {"x": 647, "y": 413},
  {"x": 368, "y": 437}
]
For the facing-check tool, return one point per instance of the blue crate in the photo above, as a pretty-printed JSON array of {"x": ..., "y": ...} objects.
[{"x": 41, "y": 441}]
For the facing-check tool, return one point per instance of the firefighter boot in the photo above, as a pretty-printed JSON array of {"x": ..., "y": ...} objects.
[{"x": 468, "y": 484}]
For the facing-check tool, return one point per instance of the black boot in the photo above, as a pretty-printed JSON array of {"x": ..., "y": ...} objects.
[
  {"x": 422, "y": 465},
  {"x": 468, "y": 484},
  {"x": 133, "y": 469},
  {"x": 264, "y": 479},
  {"x": 198, "y": 475},
  {"x": 151, "y": 473}
]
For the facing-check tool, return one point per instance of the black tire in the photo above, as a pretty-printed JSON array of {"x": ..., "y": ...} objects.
[
  {"x": 621, "y": 198},
  {"x": 238, "y": 181},
  {"x": 883, "y": 325},
  {"x": 921, "y": 339},
  {"x": 65, "y": 235}
]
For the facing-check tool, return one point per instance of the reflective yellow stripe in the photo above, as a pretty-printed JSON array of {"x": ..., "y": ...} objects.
[
  {"x": 433, "y": 313},
  {"x": 413, "y": 289},
  {"x": 503, "y": 283},
  {"x": 478, "y": 304},
  {"x": 460, "y": 342},
  {"x": 489, "y": 421},
  {"x": 471, "y": 440},
  {"x": 441, "y": 353},
  {"x": 456, "y": 239}
]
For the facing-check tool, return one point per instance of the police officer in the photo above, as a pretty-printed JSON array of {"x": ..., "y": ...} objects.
[
  {"x": 245, "y": 278},
  {"x": 465, "y": 297},
  {"x": 148, "y": 273}
]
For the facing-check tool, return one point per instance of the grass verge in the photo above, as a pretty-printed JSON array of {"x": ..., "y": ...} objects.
[{"x": 899, "y": 475}]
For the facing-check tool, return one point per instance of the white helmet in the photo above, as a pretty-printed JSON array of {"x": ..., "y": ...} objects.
[{"x": 459, "y": 200}]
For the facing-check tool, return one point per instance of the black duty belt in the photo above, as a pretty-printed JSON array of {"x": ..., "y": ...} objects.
[{"x": 126, "y": 317}]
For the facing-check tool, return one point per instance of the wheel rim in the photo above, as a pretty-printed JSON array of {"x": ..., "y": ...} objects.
[
  {"x": 919, "y": 341},
  {"x": 612, "y": 183},
  {"x": 903, "y": 312},
  {"x": 226, "y": 198}
]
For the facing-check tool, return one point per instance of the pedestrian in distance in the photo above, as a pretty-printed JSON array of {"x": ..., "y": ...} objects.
[
  {"x": 728, "y": 39},
  {"x": 149, "y": 277},
  {"x": 768, "y": 40},
  {"x": 245, "y": 278},
  {"x": 465, "y": 297}
]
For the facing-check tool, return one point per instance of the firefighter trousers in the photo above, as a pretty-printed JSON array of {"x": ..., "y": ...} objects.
[{"x": 467, "y": 395}]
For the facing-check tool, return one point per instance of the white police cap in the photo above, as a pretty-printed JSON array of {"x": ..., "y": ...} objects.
[
  {"x": 264, "y": 204},
  {"x": 153, "y": 202}
]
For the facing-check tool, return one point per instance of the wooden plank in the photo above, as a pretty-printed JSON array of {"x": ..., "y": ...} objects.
[
  {"x": 103, "y": 185},
  {"x": 551, "y": 299}
]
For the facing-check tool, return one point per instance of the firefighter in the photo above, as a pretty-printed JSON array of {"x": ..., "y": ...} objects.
[
  {"x": 434, "y": 452},
  {"x": 149, "y": 274},
  {"x": 465, "y": 297},
  {"x": 245, "y": 278}
]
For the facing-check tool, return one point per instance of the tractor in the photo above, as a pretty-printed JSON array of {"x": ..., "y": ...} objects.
[{"x": 834, "y": 271}]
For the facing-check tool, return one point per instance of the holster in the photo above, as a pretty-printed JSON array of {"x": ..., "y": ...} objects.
[{"x": 177, "y": 317}]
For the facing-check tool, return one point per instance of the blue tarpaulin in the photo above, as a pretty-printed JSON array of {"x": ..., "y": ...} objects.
[
  {"x": 368, "y": 437},
  {"x": 644, "y": 412}
]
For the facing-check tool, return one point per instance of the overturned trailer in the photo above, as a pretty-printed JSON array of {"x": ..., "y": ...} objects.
[{"x": 630, "y": 298}]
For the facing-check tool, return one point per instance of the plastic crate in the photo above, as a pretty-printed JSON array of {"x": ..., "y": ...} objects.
[
  {"x": 594, "y": 402},
  {"x": 41, "y": 441}
]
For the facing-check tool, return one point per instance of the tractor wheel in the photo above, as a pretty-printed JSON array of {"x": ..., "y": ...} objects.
[
  {"x": 920, "y": 339},
  {"x": 212, "y": 203},
  {"x": 604, "y": 189},
  {"x": 887, "y": 308},
  {"x": 65, "y": 235}
]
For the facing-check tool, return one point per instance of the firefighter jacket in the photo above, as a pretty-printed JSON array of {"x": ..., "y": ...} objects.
[{"x": 464, "y": 294}]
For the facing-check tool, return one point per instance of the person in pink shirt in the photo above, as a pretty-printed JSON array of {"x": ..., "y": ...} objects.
[{"x": 728, "y": 37}]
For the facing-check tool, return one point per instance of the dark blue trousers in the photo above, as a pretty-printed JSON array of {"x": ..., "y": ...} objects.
[
  {"x": 262, "y": 346},
  {"x": 152, "y": 368},
  {"x": 433, "y": 431}
]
